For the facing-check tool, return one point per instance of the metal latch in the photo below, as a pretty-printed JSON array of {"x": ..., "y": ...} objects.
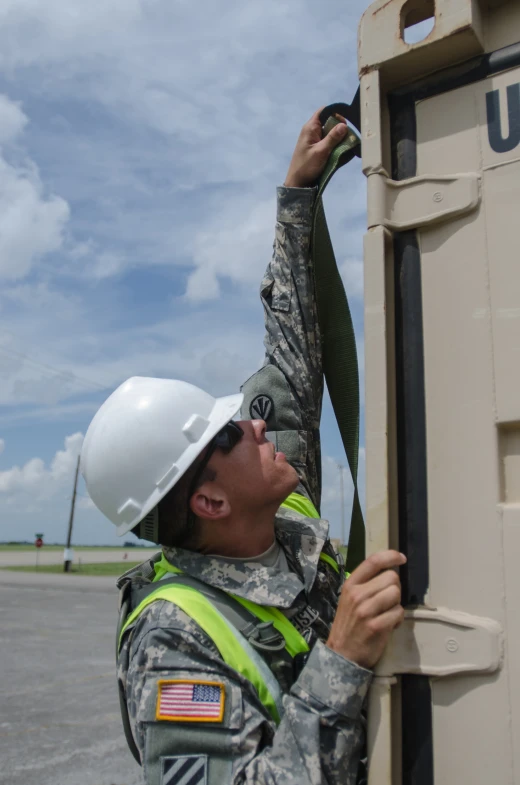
[
  {"x": 442, "y": 642},
  {"x": 420, "y": 201}
]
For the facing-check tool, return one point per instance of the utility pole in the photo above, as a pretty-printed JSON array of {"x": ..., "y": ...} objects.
[
  {"x": 67, "y": 556},
  {"x": 340, "y": 467}
]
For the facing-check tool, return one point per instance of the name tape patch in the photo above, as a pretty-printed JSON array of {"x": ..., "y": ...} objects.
[{"x": 190, "y": 701}]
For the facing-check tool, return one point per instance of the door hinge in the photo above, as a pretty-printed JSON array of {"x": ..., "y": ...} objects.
[
  {"x": 442, "y": 642},
  {"x": 420, "y": 201}
]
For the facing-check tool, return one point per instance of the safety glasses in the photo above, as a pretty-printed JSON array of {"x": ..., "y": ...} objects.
[{"x": 228, "y": 437}]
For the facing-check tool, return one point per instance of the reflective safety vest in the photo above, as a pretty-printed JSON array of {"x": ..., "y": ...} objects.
[{"x": 227, "y": 621}]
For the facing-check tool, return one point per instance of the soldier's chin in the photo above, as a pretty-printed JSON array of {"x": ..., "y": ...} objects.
[{"x": 292, "y": 476}]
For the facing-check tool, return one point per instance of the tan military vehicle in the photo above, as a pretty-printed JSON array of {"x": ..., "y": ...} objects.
[{"x": 440, "y": 125}]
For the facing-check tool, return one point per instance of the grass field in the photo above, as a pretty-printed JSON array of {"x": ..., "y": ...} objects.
[
  {"x": 108, "y": 568},
  {"x": 61, "y": 547}
]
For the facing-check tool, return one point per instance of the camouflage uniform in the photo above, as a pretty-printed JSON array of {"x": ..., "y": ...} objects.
[{"x": 320, "y": 735}]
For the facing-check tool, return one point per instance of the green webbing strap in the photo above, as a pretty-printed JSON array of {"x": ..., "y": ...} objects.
[
  {"x": 326, "y": 558},
  {"x": 294, "y": 642},
  {"x": 340, "y": 364},
  {"x": 233, "y": 648}
]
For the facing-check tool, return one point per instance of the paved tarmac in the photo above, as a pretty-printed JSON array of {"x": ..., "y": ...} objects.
[
  {"x": 11, "y": 558},
  {"x": 59, "y": 710}
]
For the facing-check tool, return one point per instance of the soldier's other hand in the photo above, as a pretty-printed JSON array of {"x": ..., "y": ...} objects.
[
  {"x": 369, "y": 609},
  {"x": 312, "y": 152}
]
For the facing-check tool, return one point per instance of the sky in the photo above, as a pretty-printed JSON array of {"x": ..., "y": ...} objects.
[{"x": 141, "y": 143}]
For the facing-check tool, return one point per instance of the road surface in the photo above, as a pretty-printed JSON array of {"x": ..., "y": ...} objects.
[{"x": 59, "y": 710}]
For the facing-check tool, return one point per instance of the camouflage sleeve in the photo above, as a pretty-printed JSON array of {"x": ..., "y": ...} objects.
[
  {"x": 287, "y": 391},
  {"x": 319, "y": 738}
]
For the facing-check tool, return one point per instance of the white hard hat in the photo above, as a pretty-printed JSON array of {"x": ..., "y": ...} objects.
[{"x": 143, "y": 439}]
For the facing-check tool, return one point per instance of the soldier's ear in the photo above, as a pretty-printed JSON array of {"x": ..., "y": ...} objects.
[{"x": 210, "y": 503}]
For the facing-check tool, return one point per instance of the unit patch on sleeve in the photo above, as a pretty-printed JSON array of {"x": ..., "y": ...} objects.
[
  {"x": 261, "y": 407},
  {"x": 190, "y": 701},
  {"x": 184, "y": 770}
]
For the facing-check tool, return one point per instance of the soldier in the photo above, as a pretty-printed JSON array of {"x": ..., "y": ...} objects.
[{"x": 244, "y": 654}]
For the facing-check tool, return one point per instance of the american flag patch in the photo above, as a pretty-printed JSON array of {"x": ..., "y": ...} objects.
[{"x": 190, "y": 701}]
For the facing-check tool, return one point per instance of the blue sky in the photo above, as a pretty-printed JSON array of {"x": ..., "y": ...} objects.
[{"x": 141, "y": 142}]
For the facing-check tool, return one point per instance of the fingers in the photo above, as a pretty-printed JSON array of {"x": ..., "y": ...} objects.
[
  {"x": 314, "y": 124},
  {"x": 370, "y": 599},
  {"x": 384, "y": 560},
  {"x": 364, "y": 591},
  {"x": 312, "y": 151},
  {"x": 316, "y": 117},
  {"x": 380, "y": 603},
  {"x": 386, "y": 622},
  {"x": 369, "y": 608},
  {"x": 311, "y": 131},
  {"x": 333, "y": 138}
]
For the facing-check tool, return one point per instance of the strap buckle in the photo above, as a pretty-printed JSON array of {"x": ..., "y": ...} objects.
[
  {"x": 351, "y": 113},
  {"x": 265, "y": 637}
]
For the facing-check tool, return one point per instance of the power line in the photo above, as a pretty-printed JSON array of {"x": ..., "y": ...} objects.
[{"x": 69, "y": 375}]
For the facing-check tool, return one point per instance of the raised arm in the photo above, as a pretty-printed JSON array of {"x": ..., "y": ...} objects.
[{"x": 287, "y": 392}]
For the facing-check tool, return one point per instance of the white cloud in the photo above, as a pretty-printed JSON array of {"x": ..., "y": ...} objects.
[
  {"x": 46, "y": 32},
  {"x": 107, "y": 264},
  {"x": 31, "y": 223},
  {"x": 221, "y": 112},
  {"x": 2, "y": 445},
  {"x": 12, "y": 120},
  {"x": 35, "y": 479},
  {"x": 78, "y": 354},
  {"x": 236, "y": 244},
  {"x": 202, "y": 85},
  {"x": 166, "y": 137},
  {"x": 202, "y": 284}
]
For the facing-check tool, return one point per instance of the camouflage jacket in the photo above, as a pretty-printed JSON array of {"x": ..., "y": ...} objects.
[{"x": 320, "y": 735}]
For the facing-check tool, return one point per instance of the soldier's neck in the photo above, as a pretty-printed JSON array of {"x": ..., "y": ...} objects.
[{"x": 241, "y": 536}]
